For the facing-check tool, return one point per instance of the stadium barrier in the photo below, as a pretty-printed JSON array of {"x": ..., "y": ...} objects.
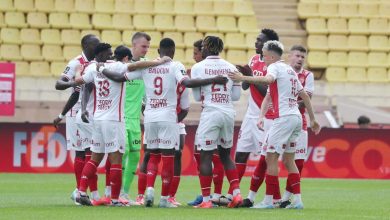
[{"x": 335, "y": 153}]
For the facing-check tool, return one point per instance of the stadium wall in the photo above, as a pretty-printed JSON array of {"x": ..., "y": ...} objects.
[{"x": 335, "y": 153}]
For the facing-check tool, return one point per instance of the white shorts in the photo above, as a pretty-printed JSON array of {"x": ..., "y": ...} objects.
[
  {"x": 250, "y": 137},
  {"x": 215, "y": 128},
  {"x": 72, "y": 134},
  {"x": 161, "y": 135},
  {"x": 108, "y": 137},
  {"x": 283, "y": 134},
  {"x": 301, "y": 151},
  {"x": 267, "y": 126},
  {"x": 84, "y": 139}
]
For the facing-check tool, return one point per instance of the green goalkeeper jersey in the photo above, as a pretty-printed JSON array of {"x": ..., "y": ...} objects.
[{"x": 134, "y": 94}]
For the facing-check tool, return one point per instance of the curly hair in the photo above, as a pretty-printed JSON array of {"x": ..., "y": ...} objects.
[
  {"x": 271, "y": 34},
  {"x": 102, "y": 47},
  {"x": 213, "y": 44}
]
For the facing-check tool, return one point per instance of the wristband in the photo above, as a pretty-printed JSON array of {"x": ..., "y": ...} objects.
[{"x": 60, "y": 116}]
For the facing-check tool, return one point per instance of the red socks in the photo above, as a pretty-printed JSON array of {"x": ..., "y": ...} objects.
[
  {"x": 141, "y": 183},
  {"x": 108, "y": 167},
  {"x": 259, "y": 174},
  {"x": 174, "y": 186},
  {"x": 205, "y": 184},
  {"x": 299, "y": 164},
  {"x": 197, "y": 159},
  {"x": 218, "y": 174},
  {"x": 78, "y": 166},
  {"x": 293, "y": 181},
  {"x": 272, "y": 184},
  {"x": 241, "y": 167},
  {"x": 152, "y": 169},
  {"x": 116, "y": 180},
  {"x": 88, "y": 172},
  {"x": 166, "y": 174},
  {"x": 232, "y": 177}
]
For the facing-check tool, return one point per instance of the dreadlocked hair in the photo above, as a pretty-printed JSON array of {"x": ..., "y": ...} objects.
[
  {"x": 213, "y": 44},
  {"x": 102, "y": 47}
]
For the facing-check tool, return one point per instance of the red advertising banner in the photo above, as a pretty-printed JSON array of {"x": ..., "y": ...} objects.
[
  {"x": 335, "y": 153},
  {"x": 7, "y": 89}
]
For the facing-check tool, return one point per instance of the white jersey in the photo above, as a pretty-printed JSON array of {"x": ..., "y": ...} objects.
[
  {"x": 109, "y": 95},
  {"x": 215, "y": 96},
  {"x": 75, "y": 68},
  {"x": 160, "y": 89},
  {"x": 284, "y": 90}
]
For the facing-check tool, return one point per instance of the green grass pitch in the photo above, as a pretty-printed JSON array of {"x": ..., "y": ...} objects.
[{"x": 47, "y": 196}]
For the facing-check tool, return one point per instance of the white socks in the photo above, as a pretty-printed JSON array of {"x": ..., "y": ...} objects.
[{"x": 252, "y": 195}]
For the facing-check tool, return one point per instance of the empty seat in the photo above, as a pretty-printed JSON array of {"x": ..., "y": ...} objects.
[
  {"x": 222, "y": 7},
  {"x": 185, "y": 23},
  {"x": 235, "y": 41},
  {"x": 44, "y": 5},
  {"x": 317, "y": 59},
  {"x": 203, "y": 7},
  {"x": 384, "y": 10},
  {"x": 155, "y": 36},
  {"x": 143, "y": 7},
  {"x": 30, "y": 36},
  {"x": 177, "y": 37},
  {"x": 80, "y": 21},
  {"x": 24, "y": 5},
  {"x": 358, "y": 26},
  {"x": 57, "y": 68},
  {"x": 368, "y": 10},
  {"x": 52, "y": 53},
  {"x": 337, "y": 26},
  {"x": 379, "y": 43},
  {"x": 250, "y": 39},
  {"x": 338, "y": 58},
  {"x": 59, "y": 20},
  {"x": 378, "y": 59},
  {"x": 152, "y": 54},
  {"x": 164, "y": 23},
  {"x": 10, "y": 52},
  {"x": 37, "y": 20},
  {"x": 316, "y": 26},
  {"x": 328, "y": 9},
  {"x": 317, "y": 42},
  {"x": 122, "y": 21},
  {"x": 191, "y": 37},
  {"x": 40, "y": 68},
  {"x": 124, "y": 6},
  {"x": 185, "y": 7},
  {"x": 143, "y": 22},
  {"x": 10, "y": 35},
  {"x": 336, "y": 74},
  {"x": 377, "y": 75},
  {"x": 227, "y": 24},
  {"x": 70, "y": 37},
  {"x": 102, "y": 21},
  {"x": 189, "y": 56},
  {"x": 358, "y": 42},
  {"x": 248, "y": 24},
  {"x": 22, "y": 68},
  {"x": 126, "y": 37},
  {"x": 237, "y": 57},
  {"x": 337, "y": 42},
  {"x": 94, "y": 32},
  {"x": 348, "y": 10},
  {"x": 357, "y": 59},
  {"x": 31, "y": 52},
  {"x": 2, "y": 23},
  {"x": 180, "y": 55},
  {"x": 243, "y": 8},
  {"x": 105, "y": 6},
  {"x": 307, "y": 9},
  {"x": 70, "y": 52},
  {"x": 51, "y": 36},
  {"x": 112, "y": 37},
  {"x": 15, "y": 19},
  {"x": 64, "y": 5},
  {"x": 378, "y": 26},
  {"x": 85, "y": 6},
  {"x": 164, "y": 7},
  {"x": 356, "y": 74},
  {"x": 7, "y": 5},
  {"x": 205, "y": 23}
]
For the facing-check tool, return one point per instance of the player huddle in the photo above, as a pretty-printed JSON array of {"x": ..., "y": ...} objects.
[{"x": 103, "y": 117}]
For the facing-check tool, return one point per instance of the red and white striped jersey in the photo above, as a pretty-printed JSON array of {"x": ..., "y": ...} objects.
[
  {"x": 75, "y": 68},
  {"x": 284, "y": 90},
  {"x": 307, "y": 80},
  {"x": 109, "y": 95}
]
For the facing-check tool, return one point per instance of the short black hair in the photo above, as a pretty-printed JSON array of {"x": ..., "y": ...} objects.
[
  {"x": 198, "y": 44},
  {"x": 167, "y": 43},
  {"x": 363, "y": 120},
  {"x": 87, "y": 38},
  {"x": 299, "y": 48},
  {"x": 121, "y": 52},
  {"x": 271, "y": 34},
  {"x": 102, "y": 47},
  {"x": 138, "y": 35}
]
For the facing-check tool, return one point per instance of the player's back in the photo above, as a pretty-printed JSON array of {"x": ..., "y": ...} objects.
[
  {"x": 215, "y": 96},
  {"x": 284, "y": 90}
]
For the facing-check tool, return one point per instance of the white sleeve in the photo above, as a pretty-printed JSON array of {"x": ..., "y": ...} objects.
[
  {"x": 137, "y": 74},
  {"x": 71, "y": 69},
  {"x": 309, "y": 84},
  {"x": 184, "y": 99},
  {"x": 272, "y": 71},
  {"x": 180, "y": 72},
  {"x": 299, "y": 85},
  {"x": 89, "y": 74},
  {"x": 195, "y": 72},
  {"x": 236, "y": 91}
]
